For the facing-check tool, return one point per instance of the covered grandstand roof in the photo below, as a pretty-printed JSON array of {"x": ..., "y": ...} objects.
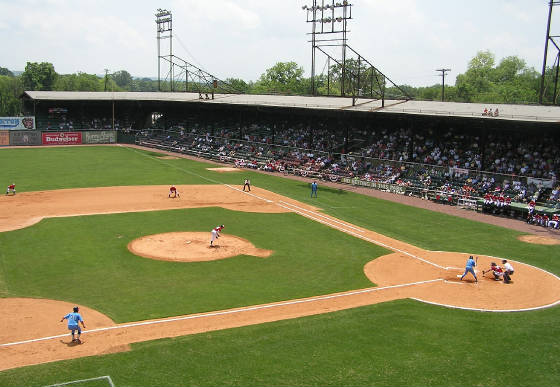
[{"x": 507, "y": 112}]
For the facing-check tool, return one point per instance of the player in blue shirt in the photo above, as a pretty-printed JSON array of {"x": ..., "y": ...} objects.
[
  {"x": 469, "y": 268},
  {"x": 74, "y": 320},
  {"x": 314, "y": 189}
]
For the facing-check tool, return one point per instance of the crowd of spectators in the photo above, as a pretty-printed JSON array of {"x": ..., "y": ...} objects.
[
  {"x": 451, "y": 161},
  {"x": 64, "y": 121}
]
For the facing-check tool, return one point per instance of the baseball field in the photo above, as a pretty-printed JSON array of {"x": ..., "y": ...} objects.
[{"x": 343, "y": 289}]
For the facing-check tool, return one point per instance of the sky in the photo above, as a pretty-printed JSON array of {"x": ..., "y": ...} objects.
[{"x": 405, "y": 39}]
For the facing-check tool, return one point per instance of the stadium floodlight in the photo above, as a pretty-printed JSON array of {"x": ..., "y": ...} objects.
[{"x": 162, "y": 12}]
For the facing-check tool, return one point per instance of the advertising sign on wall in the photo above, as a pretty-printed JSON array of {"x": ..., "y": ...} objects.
[
  {"x": 17, "y": 123},
  {"x": 374, "y": 184},
  {"x": 4, "y": 137},
  {"x": 100, "y": 137},
  {"x": 62, "y": 138},
  {"x": 25, "y": 137}
]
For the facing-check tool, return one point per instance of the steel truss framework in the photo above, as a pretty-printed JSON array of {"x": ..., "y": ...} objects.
[
  {"x": 550, "y": 39},
  {"x": 357, "y": 76},
  {"x": 182, "y": 75}
]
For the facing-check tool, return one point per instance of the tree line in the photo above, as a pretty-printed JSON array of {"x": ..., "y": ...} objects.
[{"x": 484, "y": 81}]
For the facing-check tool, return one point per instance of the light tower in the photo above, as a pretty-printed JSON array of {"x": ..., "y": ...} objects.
[
  {"x": 357, "y": 75},
  {"x": 329, "y": 27},
  {"x": 164, "y": 25},
  {"x": 554, "y": 40}
]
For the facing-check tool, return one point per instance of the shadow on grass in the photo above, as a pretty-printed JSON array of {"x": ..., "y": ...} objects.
[{"x": 337, "y": 191}]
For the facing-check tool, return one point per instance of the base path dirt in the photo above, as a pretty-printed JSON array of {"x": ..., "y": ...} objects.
[
  {"x": 408, "y": 272},
  {"x": 27, "y": 208},
  {"x": 539, "y": 240},
  {"x": 225, "y": 169}
]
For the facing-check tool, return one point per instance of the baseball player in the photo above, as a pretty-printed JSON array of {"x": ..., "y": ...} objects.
[
  {"x": 11, "y": 188},
  {"x": 74, "y": 320},
  {"x": 508, "y": 271},
  {"x": 173, "y": 191},
  {"x": 216, "y": 234},
  {"x": 501, "y": 200},
  {"x": 496, "y": 270},
  {"x": 554, "y": 221},
  {"x": 544, "y": 220},
  {"x": 469, "y": 268},
  {"x": 314, "y": 189},
  {"x": 531, "y": 207},
  {"x": 247, "y": 185}
]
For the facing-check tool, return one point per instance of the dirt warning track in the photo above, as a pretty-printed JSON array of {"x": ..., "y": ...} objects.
[{"x": 408, "y": 272}]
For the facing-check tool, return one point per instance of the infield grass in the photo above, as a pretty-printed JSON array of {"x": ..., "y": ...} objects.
[
  {"x": 308, "y": 259},
  {"x": 396, "y": 343}
]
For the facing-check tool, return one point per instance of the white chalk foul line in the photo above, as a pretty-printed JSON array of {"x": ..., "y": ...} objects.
[
  {"x": 226, "y": 312},
  {"x": 323, "y": 216},
  {"x": 248, "y": 193},
  {"x": 488, "y": 310},
  {"x": 197, "y": 175},
  {"x": 85, "y": 380},
  {"x": 310, "y": 216}
]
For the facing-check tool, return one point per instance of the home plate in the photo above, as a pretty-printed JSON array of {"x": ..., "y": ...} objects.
[{"x": 456, "y": 283}]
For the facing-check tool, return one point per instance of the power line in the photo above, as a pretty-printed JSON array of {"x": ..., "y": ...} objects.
[{"x": 187, "y": 50}]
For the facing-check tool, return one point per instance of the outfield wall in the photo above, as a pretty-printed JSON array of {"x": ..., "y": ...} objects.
[
  {"x": 4, "y": 137},
  {"x": 25, "y": 137},
  {"x": 100, "y": 137},
  {"x": 35, "y": 137}
]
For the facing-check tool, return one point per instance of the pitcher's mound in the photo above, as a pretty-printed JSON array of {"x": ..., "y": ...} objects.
[{"x": 193, "y": 247}]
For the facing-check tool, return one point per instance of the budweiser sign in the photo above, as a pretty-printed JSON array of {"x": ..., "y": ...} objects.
[{"x": 62, "y": 138}]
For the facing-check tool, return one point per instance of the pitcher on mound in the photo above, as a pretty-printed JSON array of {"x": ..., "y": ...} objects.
[{"x": 216, "y": 234}]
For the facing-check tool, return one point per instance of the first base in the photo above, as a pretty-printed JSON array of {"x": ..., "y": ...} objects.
[{"x": 459, "y": 275}]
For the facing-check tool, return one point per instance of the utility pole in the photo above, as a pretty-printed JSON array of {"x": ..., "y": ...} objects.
[
  {"x": 443, "y": 74},
  {"x": 106, "y": 78}
]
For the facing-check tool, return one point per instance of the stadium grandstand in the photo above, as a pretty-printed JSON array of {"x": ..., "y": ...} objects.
[{"x": 454, "y": 153}]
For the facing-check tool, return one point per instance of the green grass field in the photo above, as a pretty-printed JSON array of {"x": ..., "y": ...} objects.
[{"x": 396, "y": 343}]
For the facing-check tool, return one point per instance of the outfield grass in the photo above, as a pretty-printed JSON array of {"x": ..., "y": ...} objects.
[{"x": 396, "y": 343}]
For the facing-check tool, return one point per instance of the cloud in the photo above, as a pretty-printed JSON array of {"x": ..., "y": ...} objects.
[
  {"x": 406, "y": 39},
  {"x": 217, "y": 14}
]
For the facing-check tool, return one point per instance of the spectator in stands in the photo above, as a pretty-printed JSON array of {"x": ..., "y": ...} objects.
[{"x": 554, "y": 222}]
